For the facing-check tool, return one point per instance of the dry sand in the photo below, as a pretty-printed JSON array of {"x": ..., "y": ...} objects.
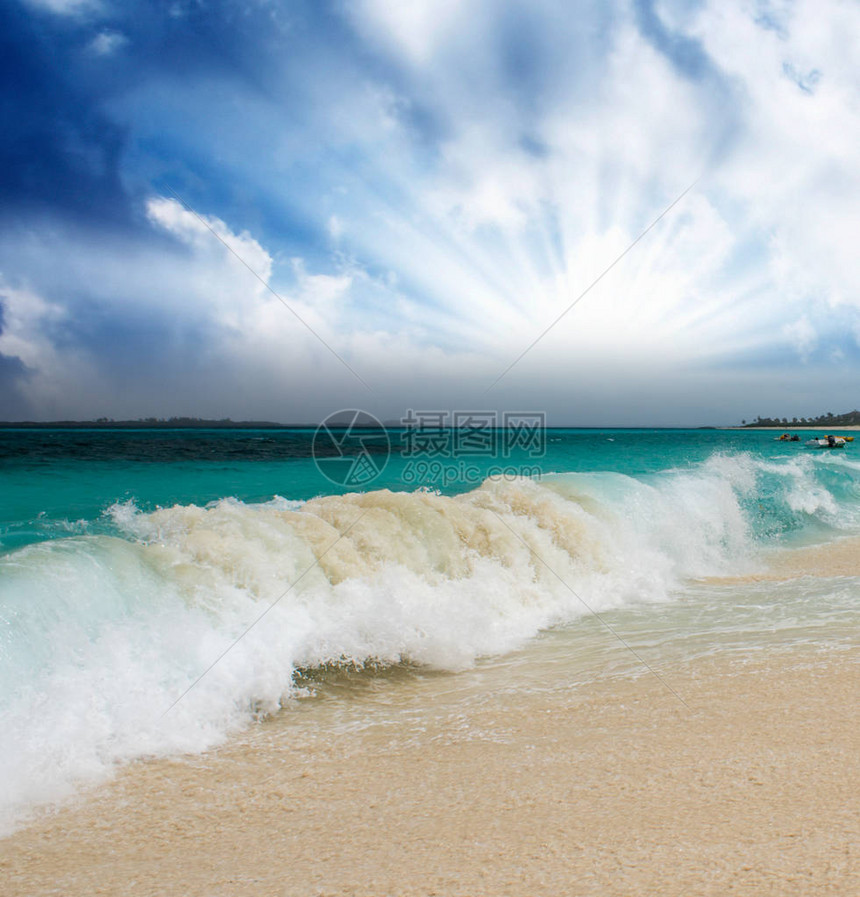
[{"x": 615, "y": 788}]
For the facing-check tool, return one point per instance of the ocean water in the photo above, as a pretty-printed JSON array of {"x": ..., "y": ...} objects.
[{"x": 160, "y": 590}]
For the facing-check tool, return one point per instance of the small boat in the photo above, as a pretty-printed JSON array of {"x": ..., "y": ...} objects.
[{"x": 826, "y": 442}]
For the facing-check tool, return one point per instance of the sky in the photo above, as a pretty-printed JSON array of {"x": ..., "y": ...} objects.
[{"x": 276, "y": 209}]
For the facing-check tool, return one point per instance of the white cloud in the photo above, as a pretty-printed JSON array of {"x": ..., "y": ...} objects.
[
  {"x": 209, "y": 236},
  {"x": 32, "y": 332},
  {"x": 416, "y": 28},
  {"x": 106, "y": 43},
  {"x": 321, "y": 289},
  {"x": 802, "y": 336},
  {"x": 67, "y": 7},
  {"x": 335, "y": 227},
  {"x": 795, "y": 167}
]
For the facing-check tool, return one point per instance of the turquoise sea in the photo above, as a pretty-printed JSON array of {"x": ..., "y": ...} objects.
[{"x": 160, "y": 589}]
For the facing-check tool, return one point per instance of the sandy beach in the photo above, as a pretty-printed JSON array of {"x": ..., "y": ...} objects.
[{"x": 748, "y": 787}]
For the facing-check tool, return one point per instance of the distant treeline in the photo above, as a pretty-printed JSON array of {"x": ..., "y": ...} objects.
[
  {"x": 146, "y": 423},
  {"x": 849, "y": 419}
]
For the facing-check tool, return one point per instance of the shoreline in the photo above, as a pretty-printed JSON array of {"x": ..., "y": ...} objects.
[
  {"x": 607, "y": 789},
  {"x": 837, "y": 557}
]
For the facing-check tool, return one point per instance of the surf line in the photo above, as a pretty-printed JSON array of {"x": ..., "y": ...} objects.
[
  {"x": 594, "y": 613},
  {"x": 239, "y": 638}
]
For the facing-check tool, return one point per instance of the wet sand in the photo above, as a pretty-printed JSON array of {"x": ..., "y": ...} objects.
[
  {"x": 425, "y": 788},
  {"x": 840, "y": 557}
]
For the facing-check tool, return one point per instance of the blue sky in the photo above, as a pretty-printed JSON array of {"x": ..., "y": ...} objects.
[{"x": 426, "y": 186}]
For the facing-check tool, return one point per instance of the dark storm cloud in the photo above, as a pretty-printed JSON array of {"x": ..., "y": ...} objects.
[
  {"x": 57, "y": 151},
  {"x": 61, "y": 151}
]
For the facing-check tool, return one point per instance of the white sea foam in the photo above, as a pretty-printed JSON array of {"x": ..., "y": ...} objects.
[{"x": 104, "y": 634}]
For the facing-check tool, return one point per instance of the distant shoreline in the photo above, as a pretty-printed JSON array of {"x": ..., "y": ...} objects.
[
  {"x": 271, "y": 425},
  {"x": 268, "y": 425},
  {"x": 151, "y": 425}
]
